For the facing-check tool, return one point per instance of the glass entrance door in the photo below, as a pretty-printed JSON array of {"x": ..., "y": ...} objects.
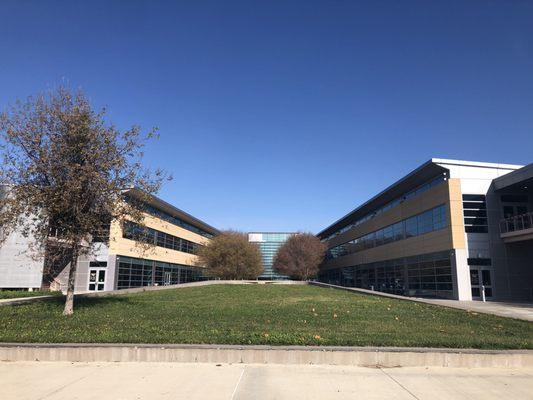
[
  {"x": 481, "y": 277},
  {"x": 167, "y": 278},
  {"x": 96, "y": 279}
]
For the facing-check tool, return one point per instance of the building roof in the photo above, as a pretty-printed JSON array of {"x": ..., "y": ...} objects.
[
  {"x": 520, "y": 179},
  {"x": 431, "y": 168},
  {"x": 167, "y": 208},
  {"x": 474, "y": 163}
]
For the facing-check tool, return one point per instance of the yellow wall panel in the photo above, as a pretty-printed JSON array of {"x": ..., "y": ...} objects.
[
  {"x": 456, "y": 214},
  {"x": 126, "y": 247}
]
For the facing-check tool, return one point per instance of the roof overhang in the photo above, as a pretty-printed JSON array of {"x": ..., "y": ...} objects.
[
  {"x": 519, "y": 180},
  {"x": 162, "y": 205}
]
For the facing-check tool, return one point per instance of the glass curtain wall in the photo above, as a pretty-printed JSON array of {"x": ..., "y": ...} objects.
[
  {"x": 427, "y": 275},
  {"x": 136, "y": 272},
  {"x": 428, "y": 221}
]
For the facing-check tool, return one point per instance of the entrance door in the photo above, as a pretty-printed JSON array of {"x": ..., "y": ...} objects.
[
  {"x": 167, "y": 278},
  {"x": 481, "y": 277},
  {"x": 96, "y": 279}
]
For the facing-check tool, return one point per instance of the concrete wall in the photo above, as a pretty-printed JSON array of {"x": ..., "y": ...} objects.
[
  {"x": 101, "y": 252},
  {"x": 18, "y": 269},
  {"x": 512, "y": 263},
  {"x": 356, "y": 356}
]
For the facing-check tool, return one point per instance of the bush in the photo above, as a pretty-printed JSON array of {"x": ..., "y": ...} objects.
[
  {"x": 300, "y": 256},
  {"x": 231, "y": 256}
]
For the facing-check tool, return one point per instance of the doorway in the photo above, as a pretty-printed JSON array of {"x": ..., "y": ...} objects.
[
  {"x": 480, "y": 277},
  {"x": 96, "y": 279}
]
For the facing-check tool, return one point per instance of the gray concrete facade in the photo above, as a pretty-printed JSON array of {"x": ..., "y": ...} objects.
[
  {"x": 19, "y": 268},
  {"x": 512, "y": 263}
]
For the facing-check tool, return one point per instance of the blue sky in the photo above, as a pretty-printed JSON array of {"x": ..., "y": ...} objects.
[{"x": 285, "y": 115}]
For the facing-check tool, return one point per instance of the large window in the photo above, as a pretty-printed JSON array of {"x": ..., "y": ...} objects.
[
  {"x": 475, "y": 213},
  {"x": 428, "y": 221},
  {"x": 409, "y": 195},
  {"x": 136, "y": 232},
  {"x": 135, "y": 272},
  {"x": 170, "y": 218},
  {"x": 427, "y": 275}
]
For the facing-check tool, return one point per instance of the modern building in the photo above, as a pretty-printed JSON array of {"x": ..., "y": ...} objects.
[
  {"x": 449, "y": 229},
  {"x": 269, "y": 243},
  {"x": 122, "y": 261}
]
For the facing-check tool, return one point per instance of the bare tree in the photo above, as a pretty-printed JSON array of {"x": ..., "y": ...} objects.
[
  {"x": 300, "y": 256},
  {"x": 64, "y": 171},
  {"x": 231, "y": 256}
]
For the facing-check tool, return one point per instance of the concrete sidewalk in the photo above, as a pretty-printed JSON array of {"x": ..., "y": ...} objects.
[
  {"x": 511, "y": 310},
  {"x": 154, "y": 381}
]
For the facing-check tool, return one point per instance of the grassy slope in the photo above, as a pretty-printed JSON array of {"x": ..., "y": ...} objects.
[
  {"x": 15, "y": 294},
  {"x": 261, "y": 314}
]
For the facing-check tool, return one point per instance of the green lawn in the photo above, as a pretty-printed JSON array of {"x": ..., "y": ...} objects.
[
  {"x": 261, "y": 314},
  {"x": 15, "y": 294}
]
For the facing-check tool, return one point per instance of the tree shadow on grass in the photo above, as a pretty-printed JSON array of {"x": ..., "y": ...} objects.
[
  {"x": 101, "y": 301},
  {"x": 90, "y": 302}
]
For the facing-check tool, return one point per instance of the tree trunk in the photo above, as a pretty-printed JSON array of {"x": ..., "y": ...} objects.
[{"x": 69, "y": 301}]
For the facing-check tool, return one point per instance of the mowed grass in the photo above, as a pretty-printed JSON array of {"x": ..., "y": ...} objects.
[{"x": 261, "y": 314}]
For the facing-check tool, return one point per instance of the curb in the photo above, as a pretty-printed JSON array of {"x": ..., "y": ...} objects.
[{"x": 354, "y": 356}]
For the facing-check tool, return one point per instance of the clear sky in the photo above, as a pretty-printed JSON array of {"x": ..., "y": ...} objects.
[{"x": 285, "y": 115}]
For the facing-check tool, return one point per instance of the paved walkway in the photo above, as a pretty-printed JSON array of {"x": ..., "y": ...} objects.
[
  {"x": 511, "y": 310},
  {"x": 155, "y": 381}
]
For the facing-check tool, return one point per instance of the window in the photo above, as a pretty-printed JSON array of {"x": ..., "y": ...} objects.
[
  {"x": 170, "y": 218},
  {"x": 411, "y": 227},
  {"x": 138, "y": 233},
  {"x": 479, "y": 261},
  {"x": 424, "y": 223},
  {"x": 388, "y": 234},
  {"x": 98, "y": 264},
  {"x": 420, "y": 224},
  {"x": 134, "y": 272},
  {"x": 427, "y": 275},
  {"x": 513, "y": 198},
  {"x": 475, "y": 213},
  {"x": 408, "y": 195}
]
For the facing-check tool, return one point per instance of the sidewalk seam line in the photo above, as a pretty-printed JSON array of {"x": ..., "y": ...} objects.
[
  {"x": 67, "y": 385},
  {"x": 238, "y": 382},
  {"x": 399, "y": 384}
]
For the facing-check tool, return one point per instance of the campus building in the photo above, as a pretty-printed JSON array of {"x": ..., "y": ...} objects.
[
  {"x": 121, "y": 261},
  {"x": 449, "y": 229},
  {"x": 269, "y": 243}
]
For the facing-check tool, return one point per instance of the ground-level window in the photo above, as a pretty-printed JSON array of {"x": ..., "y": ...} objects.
[
  {"x": 136, "y": 272},
  {"x": 427, "y": 275}
]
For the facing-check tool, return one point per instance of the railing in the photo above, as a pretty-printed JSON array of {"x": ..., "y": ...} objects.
[{"x": 517, "y": 223}]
